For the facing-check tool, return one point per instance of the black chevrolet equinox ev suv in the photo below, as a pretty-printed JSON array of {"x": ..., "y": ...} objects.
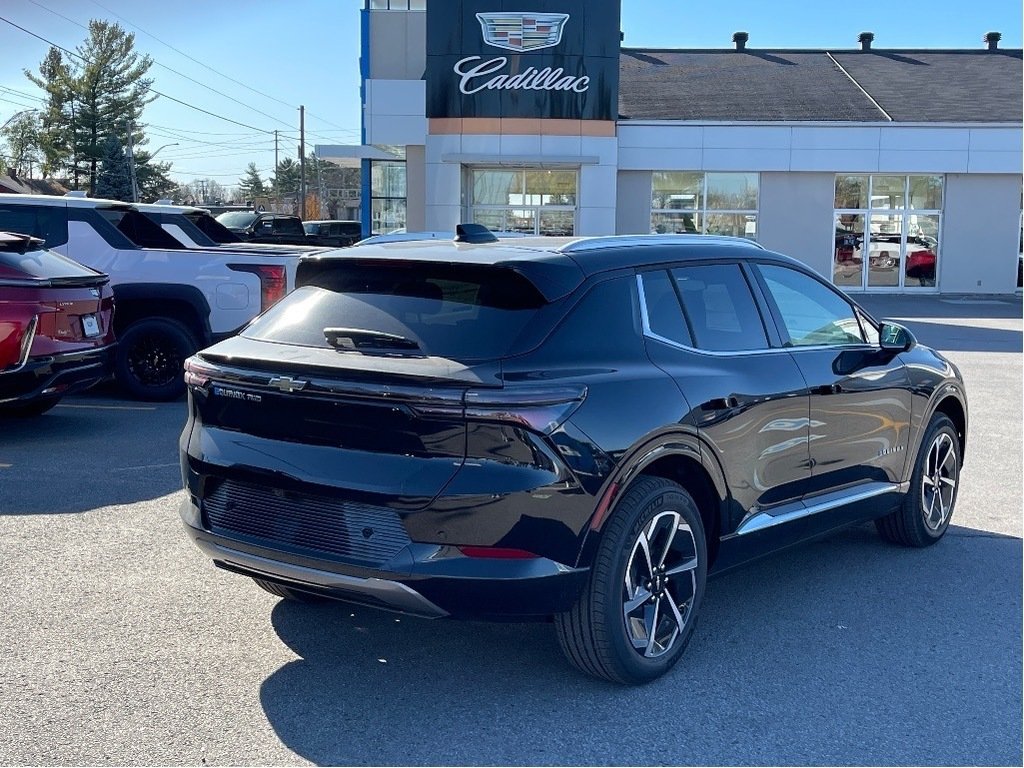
[{"x": 578, "y": 430}]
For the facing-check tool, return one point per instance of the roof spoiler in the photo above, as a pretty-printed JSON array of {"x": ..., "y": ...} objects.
[
  {"x": 474, "y": 233},
  {"x": 12, "y": 242}
]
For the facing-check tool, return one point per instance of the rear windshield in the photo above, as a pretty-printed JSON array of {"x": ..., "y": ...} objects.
[
  {"x": 44, "y": 265},
  {"x": 212, "y": 228},
  {"x": 452, "y": 311},
  {"x": 237, "y": 219}
]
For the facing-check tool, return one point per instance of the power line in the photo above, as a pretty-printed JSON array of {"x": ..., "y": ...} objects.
[
  {"x": 150, "y": 89},
  {"x": 171, "y": 69},
  {"x": 190, "y": 58}
]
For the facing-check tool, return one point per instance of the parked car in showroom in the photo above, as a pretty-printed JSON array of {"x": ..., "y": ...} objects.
[
  {"x": 56, "y": 326},
  {"x": 577, "y": 429}
]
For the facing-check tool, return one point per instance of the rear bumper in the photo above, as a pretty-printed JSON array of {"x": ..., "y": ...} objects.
[
  {"x": 57, "y": 375},
  {"x": 423, "y": 580}
]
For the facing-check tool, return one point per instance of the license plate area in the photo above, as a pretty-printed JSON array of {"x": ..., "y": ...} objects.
[{"x": 90, "y": 326}]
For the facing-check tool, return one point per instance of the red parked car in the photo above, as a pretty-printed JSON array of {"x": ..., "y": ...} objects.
[{"x": 56, "y": 326}]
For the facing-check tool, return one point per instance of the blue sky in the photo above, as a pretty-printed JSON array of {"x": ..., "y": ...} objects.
[{"x": 307, "y": 51}]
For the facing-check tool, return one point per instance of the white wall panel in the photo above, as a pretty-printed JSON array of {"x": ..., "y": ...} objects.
[
  {"x": 396, "y": 129},
  {"x": 980, "y": 231},
  {"x": 396, "y": 97},
  {"x": 746, "y": 137},
  {"x": 921, "y": 161},
  {"x": 660, "y": 159},
  {"x": 477, "y": 144},
  {"x": 597, "y": 188},
  {"x": 833, "y": 137},
  {"x": 994, "y": 162},
  {"x": 847, "y": 160},
  {"x": 996, "y": 139},
  {"x": 795, "y": 217},
  {"x": 439, "y": 145},
  {"x": 559, "y": 145},
  {"x": 633, "y": 207},
  {"x": 916, "y": 139},
  {"x": 749, "y": 159},
  {"x": 520, "y": 145},
  {"x": 596, "y": 221},
  {"x": 666, "y": 136}
]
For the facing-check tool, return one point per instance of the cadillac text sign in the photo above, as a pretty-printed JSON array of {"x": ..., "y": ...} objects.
[{"x": 538, "y": 59}]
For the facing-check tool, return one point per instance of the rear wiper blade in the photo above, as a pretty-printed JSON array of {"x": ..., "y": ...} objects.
[{"x": 360, "y": 340}]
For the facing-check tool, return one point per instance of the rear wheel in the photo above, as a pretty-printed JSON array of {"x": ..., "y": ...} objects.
[
  {"x": 150, "y": 356},
  {"x": 639, "y": 610},
  {"x": 924, "y": 515},
  {"x": 288, "y": 593}
]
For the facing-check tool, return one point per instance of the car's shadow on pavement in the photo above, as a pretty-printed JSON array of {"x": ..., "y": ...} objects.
[
  {"x": 816, "y": 655},
  {"x": 90, "y": 451}
]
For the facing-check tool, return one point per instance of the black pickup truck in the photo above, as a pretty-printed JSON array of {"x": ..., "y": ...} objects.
[
  {"x": 284, "y": 229},
  {"x": 258, "y": 227}
]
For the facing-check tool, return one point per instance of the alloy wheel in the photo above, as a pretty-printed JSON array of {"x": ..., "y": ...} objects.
[
  {"x": 938, "y": 482},
  {"x": 660, "y": 584},
  {"x": 154, "y": 360}
]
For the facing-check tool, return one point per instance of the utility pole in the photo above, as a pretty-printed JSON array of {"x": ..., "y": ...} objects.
[
  {"x": 302, "y": 163},
  {"x": 275, "y": 154},
  {"x": 131, "y": 164}
]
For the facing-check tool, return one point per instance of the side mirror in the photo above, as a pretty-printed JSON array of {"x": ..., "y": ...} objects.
[{"x": 895, "y": 337}]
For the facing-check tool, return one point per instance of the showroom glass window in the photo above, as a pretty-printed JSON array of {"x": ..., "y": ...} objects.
[
  {"x": 536, "y": 202},
  {"x": 887, "y": 231},
  {"x": 704, "y": 203},
  {"x": 387, "y": 196},
  {"x": 398, "y": 5}
]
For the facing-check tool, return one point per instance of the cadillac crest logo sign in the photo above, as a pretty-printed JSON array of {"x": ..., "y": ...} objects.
[{"x": 522, "y": 32}]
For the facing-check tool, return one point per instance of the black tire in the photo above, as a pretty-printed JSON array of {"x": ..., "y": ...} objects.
[
  {"x": 294, "y": 595},
  {"x": 150, "y": 356},
  {"x": 923, "y": 516},
  {"x": 30, "y": 409},
  {"x": 595, "y": 634}
]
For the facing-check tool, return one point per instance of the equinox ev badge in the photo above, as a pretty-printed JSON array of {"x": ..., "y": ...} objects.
[
  {"x": 287, "y": 384},
  {"x": 522, "y": 31}
]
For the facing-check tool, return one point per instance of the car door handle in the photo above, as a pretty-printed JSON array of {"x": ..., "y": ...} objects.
[
  {"x": 828, "y": 389},
  {"x": 721, "y": 404}
]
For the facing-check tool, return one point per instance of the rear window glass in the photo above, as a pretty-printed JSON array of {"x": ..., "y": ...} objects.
[
  {"x": 47, "y": 222},
  {"x": 42, "y": 264},
  {"x": 237, "y": 219},
  {"x": 453, "y": 311},
  {"x": 287, "y": 226}
]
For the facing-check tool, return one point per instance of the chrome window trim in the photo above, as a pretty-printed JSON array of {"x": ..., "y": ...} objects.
[{"x": 647, "y": 332}]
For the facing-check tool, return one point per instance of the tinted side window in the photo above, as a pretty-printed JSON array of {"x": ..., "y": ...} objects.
[
  {"x": 664, "y": 313},
  {"x": 47, "y": 222},
  {"x": 720, "y": 308},
  {"x": 289, "y": 227},
  {"x": 813, "y": 313}
]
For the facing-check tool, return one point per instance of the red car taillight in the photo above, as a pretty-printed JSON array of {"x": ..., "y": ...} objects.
[
  {"x": 197, "y": 374},
  {"x": 273, "y": 282}
]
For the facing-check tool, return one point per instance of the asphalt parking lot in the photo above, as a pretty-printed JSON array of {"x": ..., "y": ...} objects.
[{"x": 120, "y": 643}]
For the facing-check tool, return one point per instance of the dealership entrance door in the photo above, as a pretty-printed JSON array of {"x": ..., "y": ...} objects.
[{"x": 534, "y": 201}]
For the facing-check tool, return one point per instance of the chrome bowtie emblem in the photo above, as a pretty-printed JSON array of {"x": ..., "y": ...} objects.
[
  {"x": 287, "y": 384},
  {"x": 522, "y": 31}
]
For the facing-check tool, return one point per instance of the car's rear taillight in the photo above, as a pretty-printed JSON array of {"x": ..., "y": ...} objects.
[
  {"x": 27, "y": 339},
  {"x": 197, "y": 374},
  {"x": 542, "y": 409},
  {"x": 273, "y": 282}
]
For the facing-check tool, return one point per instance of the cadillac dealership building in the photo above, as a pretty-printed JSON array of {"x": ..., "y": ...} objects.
[{"x": 885, "y": 170}]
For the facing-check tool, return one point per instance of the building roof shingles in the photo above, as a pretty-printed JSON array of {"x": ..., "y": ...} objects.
[{"x": 780, "y": 85}]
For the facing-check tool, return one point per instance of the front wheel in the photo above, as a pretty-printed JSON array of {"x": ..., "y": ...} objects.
[
  {"x": 924, "y": 515},
  {"x": 150, "y": 356},
  {"x": 639, "y": 609}
]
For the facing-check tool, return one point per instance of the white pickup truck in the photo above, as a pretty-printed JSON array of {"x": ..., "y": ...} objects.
[{"x": 171, "y": 298}]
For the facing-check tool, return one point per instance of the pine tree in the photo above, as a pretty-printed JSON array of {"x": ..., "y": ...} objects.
[
  {"x": 286, "y": 177},
  {"x": 251, "y": 185},
  {"x": 113, "y": 181},
  {"x": 56, "y": 141}
]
